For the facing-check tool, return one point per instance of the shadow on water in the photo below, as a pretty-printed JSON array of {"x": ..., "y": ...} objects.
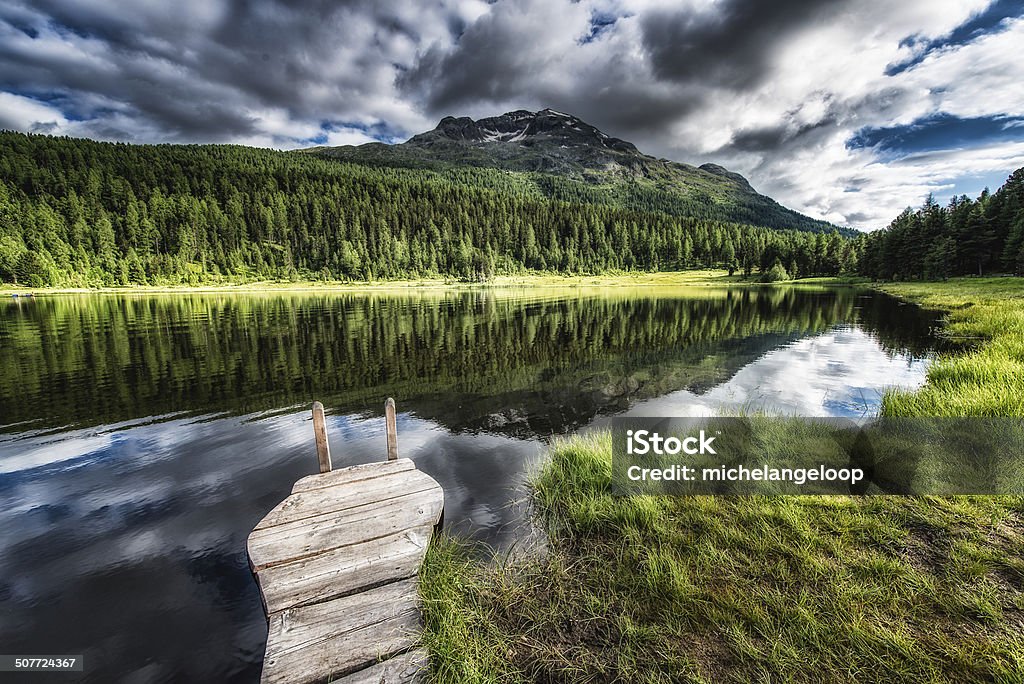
[{"x": 141, "y": 437}]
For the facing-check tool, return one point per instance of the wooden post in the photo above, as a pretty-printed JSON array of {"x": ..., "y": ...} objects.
[
  {"x": 392, "y": 429},
  {"x": 323, "y": 450}
]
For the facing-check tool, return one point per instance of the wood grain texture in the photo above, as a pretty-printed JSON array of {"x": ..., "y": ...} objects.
[
  {"x": 323, "y": 449},
  {"x": 346, "y": 494},
  {"x": 391, "y": 428},
  {"x": 365, "y": 471},
  {"x": 406, "y": 668},
  {"x": 344, "y": 570},
  {"x": 320, "y": 533},
  {"x": 336, "y": 563},
  {"x": 344, "y": 635}
]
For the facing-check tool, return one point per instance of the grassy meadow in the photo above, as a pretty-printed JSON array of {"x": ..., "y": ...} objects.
[
  {"x": 694, "y": 278},
  {"x": 759, "y": 589}
]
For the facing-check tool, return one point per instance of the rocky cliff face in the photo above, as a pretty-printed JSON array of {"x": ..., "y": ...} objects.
[{"x": 527, "y": 128}]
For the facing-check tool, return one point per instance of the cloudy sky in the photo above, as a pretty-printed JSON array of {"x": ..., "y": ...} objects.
[{"x": 843, "y": 110}]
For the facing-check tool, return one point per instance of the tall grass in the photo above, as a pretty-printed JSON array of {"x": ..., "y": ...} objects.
[
  {"x": 988, "y": 380},
  {"x": 735, "y": 589}
]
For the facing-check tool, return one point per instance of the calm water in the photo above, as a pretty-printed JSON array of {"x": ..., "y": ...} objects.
[{"x": 142, "y": 437}]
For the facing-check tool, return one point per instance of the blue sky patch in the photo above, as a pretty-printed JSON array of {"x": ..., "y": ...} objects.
[
  {"x": 29, "y": 31},
  {"x": 380, "y": 132},
  {"x": 972, "y": 185},
  {"x": 987, "y": 21},
  {"x": 599, "y": 23},
  {"x": 937, "y": 132}
]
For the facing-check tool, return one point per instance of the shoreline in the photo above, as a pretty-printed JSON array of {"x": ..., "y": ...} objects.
[{"x": 691, "y": 278}]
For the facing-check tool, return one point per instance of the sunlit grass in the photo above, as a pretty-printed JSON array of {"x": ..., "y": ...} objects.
[
  {"x": 987, "y": 315},
  {"x": 697, "y": 277},
  {"x": 711, "y": 589}
]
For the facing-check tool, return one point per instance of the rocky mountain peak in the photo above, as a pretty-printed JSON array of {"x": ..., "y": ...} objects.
[{"x": 547, "y": 126}]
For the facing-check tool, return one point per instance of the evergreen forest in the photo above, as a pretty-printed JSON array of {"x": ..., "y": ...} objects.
[
  {"x": 83, "y": 213},
  {"x": 80, "y": 213}
]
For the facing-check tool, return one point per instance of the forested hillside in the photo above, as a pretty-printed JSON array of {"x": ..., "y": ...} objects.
[
  {"x": 571, "y": 160},
  {"x": 967, "y": 237},
  {"x": 82, "y": 213}
]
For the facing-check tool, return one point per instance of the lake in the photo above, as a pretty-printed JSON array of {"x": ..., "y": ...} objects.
[{"x": 143, "y": 436}]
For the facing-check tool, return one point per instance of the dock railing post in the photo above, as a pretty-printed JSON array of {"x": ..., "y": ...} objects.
[
  {"x": 323, "y": 450},
  {"x": 392, "y": 429}
]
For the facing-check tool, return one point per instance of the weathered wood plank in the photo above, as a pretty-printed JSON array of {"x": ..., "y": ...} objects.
[
  {"x": 336, "y": 563},
  {"x": 344, "y": 495},
  {"x": 391, "y": 428},
  {"x": 320, "y": 533},
  {"x": 364, "y": 471},
  {"x": 344, "y": 570},
  {"x": 343, "y": 635},
  {"x": 407, "y": 668},
  {"x": 323, "y": 449}
]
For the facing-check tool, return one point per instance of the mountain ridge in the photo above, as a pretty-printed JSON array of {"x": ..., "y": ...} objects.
[{"x": 574, "y": 158}]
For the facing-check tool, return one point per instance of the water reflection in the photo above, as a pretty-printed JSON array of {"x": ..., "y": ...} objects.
[
  {"x": 843, "y": 372},
  {"x": 546, "y": 362},
  {"x": 141, "y": 438},
  {"x": 129, "y": 546}
]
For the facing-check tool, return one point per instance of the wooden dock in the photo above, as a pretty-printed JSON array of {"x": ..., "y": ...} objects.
[{"x": 336, "y": 563}]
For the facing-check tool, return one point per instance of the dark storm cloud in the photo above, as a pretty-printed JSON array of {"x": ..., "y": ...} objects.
[
  {"x": 769, "y": 138},
  {"x": 489, "y": 63},
  {"x": 522, "y": 54},
  {"x": 197, "y": 71},
  {"x": 488, "y": 69},
  {"x": 731, "y": 46},
  {"x": 505, "y": 60},
  {"x": 774, "y": 90}
]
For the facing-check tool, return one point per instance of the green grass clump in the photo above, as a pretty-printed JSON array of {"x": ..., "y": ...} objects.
[
  {"x": 759, "y": 589},
  {"x": 987, "y": 314},
  {"x": 735, "y": 589}
]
